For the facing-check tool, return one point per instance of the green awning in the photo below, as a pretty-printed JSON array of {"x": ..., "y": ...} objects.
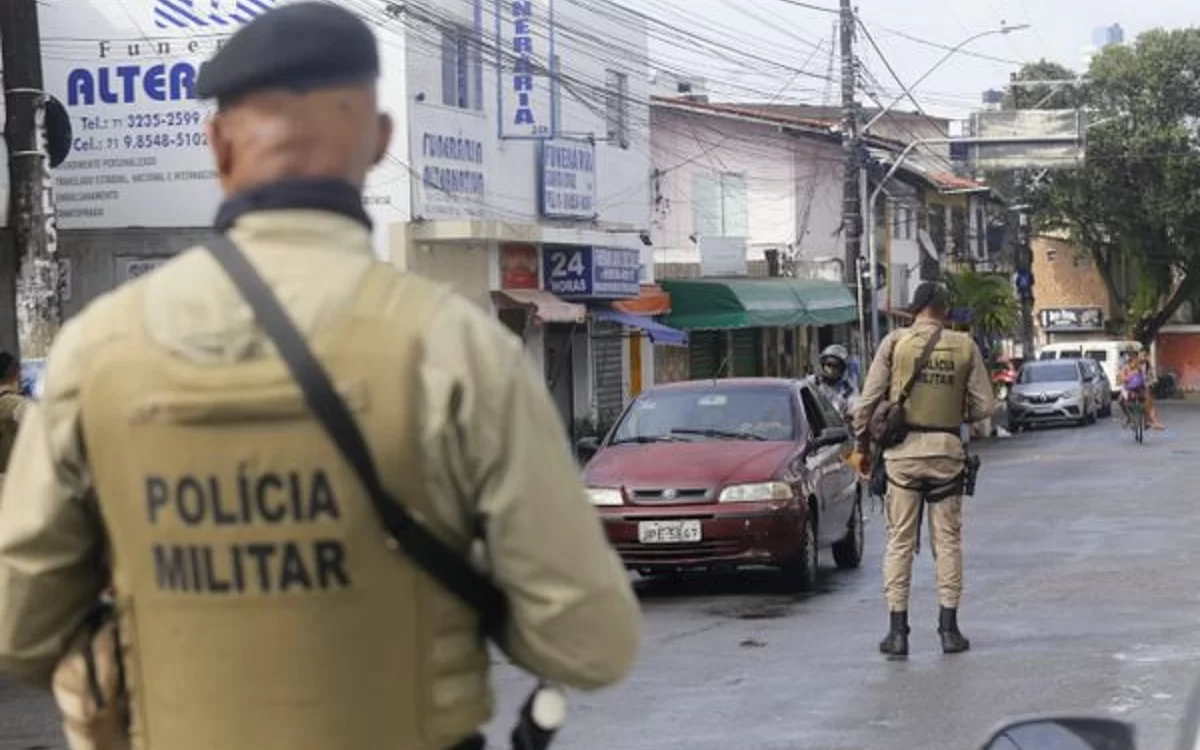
[{"x": 757, "y": 303}]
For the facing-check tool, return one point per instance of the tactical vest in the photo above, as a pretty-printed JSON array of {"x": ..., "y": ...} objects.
[
  {"x": 10, "y": 402},
  {"x": 259, "y": 606},
  {"x": 939, "y": 395}
]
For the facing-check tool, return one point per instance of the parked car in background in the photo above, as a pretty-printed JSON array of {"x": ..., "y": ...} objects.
[
  {"x": 1099, "y": 385},
  {"x": 723, "y": 474},
  {"x": 1106, "y": 353},
  {"x": 1051, "y": 392}
]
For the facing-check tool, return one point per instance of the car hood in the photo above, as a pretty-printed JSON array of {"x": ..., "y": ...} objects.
[
  {"x": 704, "y": 463},
  {"x": 1053, "y": 386}
]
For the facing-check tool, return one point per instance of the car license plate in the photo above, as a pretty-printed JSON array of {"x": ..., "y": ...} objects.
[{"x": 668, "y": 532}]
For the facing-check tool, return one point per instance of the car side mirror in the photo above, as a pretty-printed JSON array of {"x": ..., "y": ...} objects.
[
  {"x": 587, "y": 447},
  {"x": 1063, "y": 733},
  {"x": 832, "y": 436}
]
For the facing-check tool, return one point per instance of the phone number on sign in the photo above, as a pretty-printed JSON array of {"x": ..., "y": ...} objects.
[
  {"x": 163, "y": 119},
  {"x": 165, "y": 140}
]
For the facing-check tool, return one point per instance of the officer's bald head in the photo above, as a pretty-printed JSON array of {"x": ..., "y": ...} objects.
[{"x": 296, "y": 94}]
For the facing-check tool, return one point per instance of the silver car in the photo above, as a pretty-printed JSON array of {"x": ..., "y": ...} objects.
[
  {"x": 1051, "y": 392},
  {"x": 1102, "y": 390}
]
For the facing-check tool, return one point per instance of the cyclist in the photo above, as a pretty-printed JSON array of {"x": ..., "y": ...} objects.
[
  {"x": 1151, "y": 406},
  {"x": 1132, "y": 379}
]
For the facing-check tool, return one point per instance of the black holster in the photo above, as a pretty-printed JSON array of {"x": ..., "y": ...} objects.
[{"x": 474, "y": 742}]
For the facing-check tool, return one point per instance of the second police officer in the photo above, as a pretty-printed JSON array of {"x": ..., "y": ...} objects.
[{"x": 928, "y": 468}]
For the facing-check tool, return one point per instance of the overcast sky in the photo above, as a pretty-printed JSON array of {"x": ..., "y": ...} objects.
[{"x": 800, "y": 39}]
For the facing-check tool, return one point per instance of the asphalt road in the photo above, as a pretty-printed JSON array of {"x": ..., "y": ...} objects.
[{"x": 1082, "y": 552}]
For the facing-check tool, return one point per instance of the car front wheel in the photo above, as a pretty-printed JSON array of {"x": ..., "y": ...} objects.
[
  {"x": 800, "y": 570},
  {"x": 848, "y": 551}
]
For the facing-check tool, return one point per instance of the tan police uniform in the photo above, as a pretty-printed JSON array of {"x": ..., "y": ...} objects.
[
  {"x": 258, "y": 604},
  {"x": 953, "y": 388},
  {"x": 12, "y": 406}
]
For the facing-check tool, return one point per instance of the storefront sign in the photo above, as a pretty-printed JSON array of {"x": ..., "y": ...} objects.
[
  {"x": 1072, "y": 319},
  {"x": 525, "y": 32},
  {"x": 126, "y": 73},
  {"x": 567, "y": 173},
  {"x": 449, "y": 157},
  {"x": 597, "y": 272},
  {"x": 518, "y": 267}
]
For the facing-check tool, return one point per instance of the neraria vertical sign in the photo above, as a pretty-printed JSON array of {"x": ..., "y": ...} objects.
[{"x": 525, "y": 29}]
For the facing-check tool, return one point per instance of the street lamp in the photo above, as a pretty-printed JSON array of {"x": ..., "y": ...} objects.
[
  {"x": 872, "y": 254},
  {"x": 950, "y": 53},
  {"x": 870, "y": 208}
]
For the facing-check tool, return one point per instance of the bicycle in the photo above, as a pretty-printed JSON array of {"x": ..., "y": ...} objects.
[{"x": 1137, "y": 415}]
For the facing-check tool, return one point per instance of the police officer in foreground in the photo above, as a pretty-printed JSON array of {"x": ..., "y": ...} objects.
[
  {"x": 833, "y": 381},
  {"x": 928, "y": 467},
  {"x": 258, "y": 604}
]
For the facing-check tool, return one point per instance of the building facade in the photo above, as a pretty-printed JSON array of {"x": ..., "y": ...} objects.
[
  {"x": 518, "y": 172},
  {"x": 1071, "y": 302}
]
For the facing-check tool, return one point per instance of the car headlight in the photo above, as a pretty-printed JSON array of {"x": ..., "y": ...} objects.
[
  {"x": 1070, "y": 394},
  {"x": 756, "y": 493},
  {"x": 606, "y": 496}
]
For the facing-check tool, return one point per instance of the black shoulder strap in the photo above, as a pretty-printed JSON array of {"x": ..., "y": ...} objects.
[
  {"x": 434, "y": 556},
  {"x": 919, "y": 365}
]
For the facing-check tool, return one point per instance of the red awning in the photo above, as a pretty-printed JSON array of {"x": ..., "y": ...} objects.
[
  {"x": 547, "y": 308},
  {"x": 652, "y": 300}
]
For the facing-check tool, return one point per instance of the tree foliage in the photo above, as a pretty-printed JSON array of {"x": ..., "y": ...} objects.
[
  {"x": 1134, "y": 203},
  {"x": 989, "y": 299}
]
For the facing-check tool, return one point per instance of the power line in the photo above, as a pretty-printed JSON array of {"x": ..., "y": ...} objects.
[{"x": 947, "y": 47}]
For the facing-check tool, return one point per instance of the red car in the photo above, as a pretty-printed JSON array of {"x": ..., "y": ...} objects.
[{"x": 720, "y": 474}]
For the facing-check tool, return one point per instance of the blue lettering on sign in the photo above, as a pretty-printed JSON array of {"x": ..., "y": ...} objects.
[
  {"x": 568, "y": 180},
  {"x": 615, "y": 272},
  {"x": 455, "y": 179},
  {"x": 575, "y": 271},
  {"x": 127, "y": 84},
  {"x": 522, "y": 79}
]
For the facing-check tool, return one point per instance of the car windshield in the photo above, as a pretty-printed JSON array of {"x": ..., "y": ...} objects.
[
  {"x": 1049, "y": 373},
  {"x": 718, "y": 413}
]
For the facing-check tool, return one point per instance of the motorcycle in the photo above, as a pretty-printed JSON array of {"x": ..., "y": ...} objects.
[
  {"x": 1076, "y": 732},
  {"x": 1003, "y": 380}
]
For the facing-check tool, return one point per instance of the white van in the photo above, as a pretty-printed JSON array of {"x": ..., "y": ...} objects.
[{"x": 1107, "y": 353}]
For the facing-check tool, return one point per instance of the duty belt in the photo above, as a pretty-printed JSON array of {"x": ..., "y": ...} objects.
[{"x": 925, "y": 428}]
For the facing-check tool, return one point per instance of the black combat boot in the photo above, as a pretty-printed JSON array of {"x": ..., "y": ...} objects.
[
  {"x": 895, "y": 644},
  {"x": 953, "y": 641}
]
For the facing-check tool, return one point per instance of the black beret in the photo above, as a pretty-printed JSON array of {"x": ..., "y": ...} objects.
[
  {"x": 930, "y": 294},
  {"x": 299, "y": 47}
]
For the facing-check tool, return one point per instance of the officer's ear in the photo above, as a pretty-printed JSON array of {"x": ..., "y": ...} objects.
[
  {"x": 221, "y": 147},
  {"x": 384, "y": 129}
]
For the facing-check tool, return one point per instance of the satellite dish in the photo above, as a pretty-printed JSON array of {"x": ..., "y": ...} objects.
[{"x": 58, "y": 131}]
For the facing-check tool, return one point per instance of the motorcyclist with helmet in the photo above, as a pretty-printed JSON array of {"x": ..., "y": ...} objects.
[{"x": 834, "y": 381}]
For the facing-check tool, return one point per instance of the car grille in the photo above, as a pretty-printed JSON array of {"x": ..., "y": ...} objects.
[
  {"x": 1043, "y": 398},
  {"x": 633, "y": 553},
  {"x": 668, "y": 495}
]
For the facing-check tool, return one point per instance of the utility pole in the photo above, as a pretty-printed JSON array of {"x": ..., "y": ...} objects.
[
  {"x": 852, "y": 227},
  {"x": 1024, "y": 249},
  {"x": 31, "y": 214}
]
